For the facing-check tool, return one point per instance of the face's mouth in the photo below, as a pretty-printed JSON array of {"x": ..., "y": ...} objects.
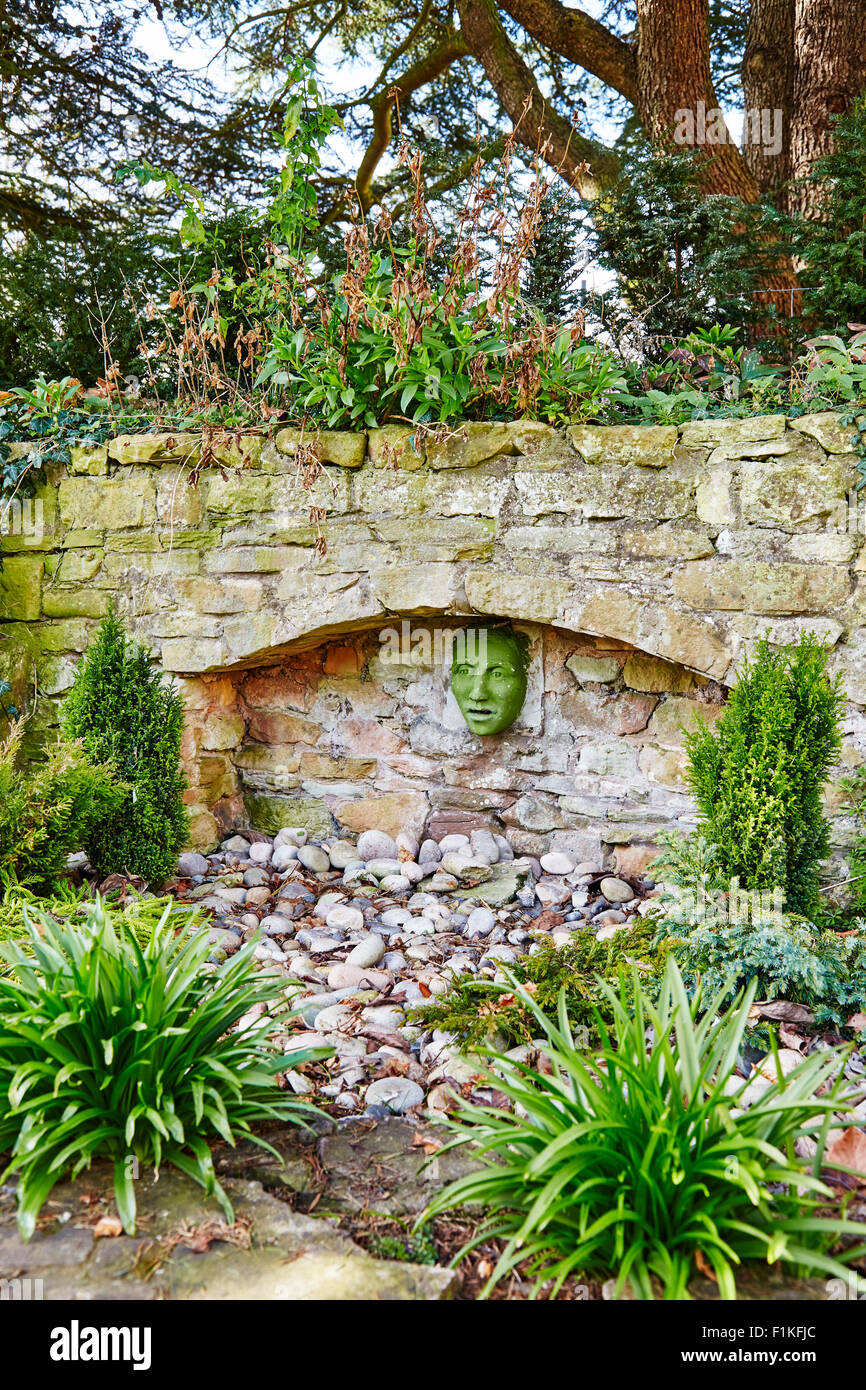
[{"x": 480, "y": 711}]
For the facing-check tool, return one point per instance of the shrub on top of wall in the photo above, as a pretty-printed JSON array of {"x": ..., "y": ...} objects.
[{"x": 127, "y": 713}]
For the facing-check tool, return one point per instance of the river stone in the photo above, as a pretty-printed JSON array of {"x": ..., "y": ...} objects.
[
  {"x": 429, "y": 853},
  {"x": 484, "y": 846},
  {"x": 261, "y": 852},
  {"x": 291, "y": 835},
  {"x": 276, "y": 925},
  {"x": 463, "y": 864},
  {"x": 343, "y": 975},
  {"x": 367, "y": 952},
  {"x": 557, "y": 863},
  {"x": 375, "y": 844},
  {"x": 345, "y": 918},
  {"x": 616, "y": 891},
  {"x": 501, "y": 887},
  {"x": 380, "y": 868},
  {"x": 451, "y": 843},
  {"x": 342, "y": 853},
  {"x": 256, "y": 877},
  {"x": 283, "y": 856},
  {"x": 395, "y": 916},
  {"x": 314, "y": 858},
  {"x": 191, "y": 865},
  {"x": 407, "y": 843},
  {"x": 397, "y": 1092},
  {"x": 481, "y": 922}
]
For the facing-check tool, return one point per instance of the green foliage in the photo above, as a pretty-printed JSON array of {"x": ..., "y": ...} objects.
[
  {"x": 476, "y": 1009},
  {"x": 50, "y": 810},
  {"x": 757, "y": 776},
  {"x": 832, "y": 240},
  {"x": 678, "y": 266},
  {"x": 113, "y": 1051},
  {"x": 638, "y": 1159},
  {"x": 127, "y": 714},
  {"x": 549, "y": 283},
  {"x": 785, "y": 956}
]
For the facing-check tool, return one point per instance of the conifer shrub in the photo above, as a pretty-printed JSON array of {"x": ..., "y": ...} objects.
[
  {"x": 50, "y": 809},
  {"x": 127, "y": 713},
  {"x": 757, "y": 776}
]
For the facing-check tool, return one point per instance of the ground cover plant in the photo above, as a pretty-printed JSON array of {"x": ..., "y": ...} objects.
[
  {"x": 114, "y": 1050},
  {"x": 50, "y": 809},
  {"x": 476, "y": 1013},
  {"x": 129, "y": 716},
  {"x": 638, "y": 1159}
]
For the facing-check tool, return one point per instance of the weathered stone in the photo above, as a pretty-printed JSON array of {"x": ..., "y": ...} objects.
[
  {"x": 390, "y": 813},
  {"x": 107, "y": 503},
  {"x": 204, "y": 831},
  {"x": 667, "y": 543},
  {"x": 393, "y": 446},
  {"x": 155, "y": 448},
  {"x": 676, "y": 717},
  {"x": 271, "y": 813},
  {"x": 89, "y": 458},
  {"x": 62, "y": 602},
  {"x": 608, "y": 759},
  {"x": 826, "y": 427},
  {"x": 593, "y": 668},
  {"x": 651, "y": 674},
  {"x": 666, "y": 765},
  {"x": 341, "y": 447},
  {"x": 21, "y": 587},
  {"x": 809, "y": 489},
  {"x": 470, "y": 444},
  {"x": 533, "y": 599},
  {"x": 646, "y": 446},
  {"x": 714, "y": 498},
  {"x": 761, "y": 587},
  {"x": 723, "y": 432}
]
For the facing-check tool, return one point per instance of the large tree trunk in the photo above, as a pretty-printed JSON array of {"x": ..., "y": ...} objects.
[
  {"x": 673, "y": 77},
  {"x": 829, "y": 72},
  {"x": 768, "y": 92}
]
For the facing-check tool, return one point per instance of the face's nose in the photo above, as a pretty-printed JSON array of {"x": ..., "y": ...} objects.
[{"x": 479, "y": 684}]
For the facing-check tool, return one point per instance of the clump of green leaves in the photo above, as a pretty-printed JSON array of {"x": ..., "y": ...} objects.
[
  {"x": 50, "y": 809},
  {"x": 639, "y": 1160},
  {"x": 110, "y": 1050},
  {"x": 757, "y": 775},
  {"x": 127, "y": 714},
  {"x": 475, "y": 1010}
]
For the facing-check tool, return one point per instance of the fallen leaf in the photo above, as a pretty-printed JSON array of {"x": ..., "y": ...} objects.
[
  {"x": 781, "y": 1009},
  {"x": 789, "y": 1037},
  {"x": 857, "y": 1021},
  {"x": 849, "y": 1151},
  {"x": 704, "y": 1266},
  {"x": 423, "y": 1141},
  {"x": 108, "y": 1226},
  {"x": 546, "y": 921}
]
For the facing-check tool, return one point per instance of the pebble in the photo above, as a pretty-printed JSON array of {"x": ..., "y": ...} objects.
[
  {"x": 236, "y": 844},
  {"x": 192, "y": 865},
  {"x": 375, "y": 844},
  {"x": 344, "y": 974},
  {"x": 398, "y": 1093},
  {"x": 276, "y": 925},
  {"x": 342, "y": 853},
  {"x": 345, "y": 918},
  {"x": 396, "y": 916},
  {"x": 429, "y": 853},
  {"x": 616, "y": 891},
  {"x": 556, "y": 863},
  {"x": 408, "y": 844},
  {"x": 290, "y": 836},
  {"x": 367, "y": 952},
  {"x": 283, "y": 856},
  {"x": 480, "y": 922},
  {"x": 261, "y": 852},
  {"x": 454, "y": 842},
  {"x": 395, "y": 883},
  {"x": 314, "y": 858},
  {"x": 257, "y": 878}
]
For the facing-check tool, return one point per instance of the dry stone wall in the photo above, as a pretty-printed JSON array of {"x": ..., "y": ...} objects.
[{"x": 641, "y": 561}]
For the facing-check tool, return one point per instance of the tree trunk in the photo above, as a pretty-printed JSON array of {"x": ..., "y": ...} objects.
[
  {"x": 675, "y": 98},
  {"x": 829, "y": 72},
  {"x": 768, "y": 92}
]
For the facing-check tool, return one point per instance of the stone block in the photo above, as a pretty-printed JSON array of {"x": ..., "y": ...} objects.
[
  {"x": 531, "y": 599},
  {"x": 714, "y": 498},
  {"x": 643, "y": 446},
  {"x": 394, "y": 446},
  {"x": 593, "y": 668},
  {"x": 760, "y": 587},
  {"x": 117, "y": 503},
  {"x": 675, "y": 717},
  {"x": 826, "y": 427},
  {"x": 651, "y": 674},
  {"x": 193, "y": 654},
  {"x": 808, "y": 489},
  {"x": 669, "y": 766},
  {"x": 470, "y": 444},
  {"x": 344, "y": 448},
  {"x": 20, "y": 587},
  {"x": 271, "y": 813},
  {"x": 392, "y": 812},
  {"x": 724, "y": 432},
  {"x": 155, "y": 448}
]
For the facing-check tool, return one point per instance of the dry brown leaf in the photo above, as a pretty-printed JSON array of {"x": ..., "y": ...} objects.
[
  {"x": 108, "y": 1226},
  {"x": 781, "y": 1009},
  {"x": 849, "y": 1151},
  {"x": 704, "y": 1266}
]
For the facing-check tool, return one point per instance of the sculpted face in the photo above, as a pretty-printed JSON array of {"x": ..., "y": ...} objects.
[{"x": 488, "y": 678}]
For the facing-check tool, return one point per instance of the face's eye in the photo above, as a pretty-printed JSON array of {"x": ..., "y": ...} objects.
[{"x": 461, "y": 671}]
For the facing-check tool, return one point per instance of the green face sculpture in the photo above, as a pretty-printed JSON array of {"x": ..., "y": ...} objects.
[{"x": 488, "y": 678}]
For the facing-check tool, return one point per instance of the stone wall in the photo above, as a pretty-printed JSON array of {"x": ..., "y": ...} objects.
[{"x": 641, "y": 561}]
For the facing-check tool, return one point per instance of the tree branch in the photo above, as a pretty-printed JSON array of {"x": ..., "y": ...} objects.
[
  {"x": 382, "y": 106},
  {"x": 581, "y": 39},
  {"x": 586, "y": 163}
]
